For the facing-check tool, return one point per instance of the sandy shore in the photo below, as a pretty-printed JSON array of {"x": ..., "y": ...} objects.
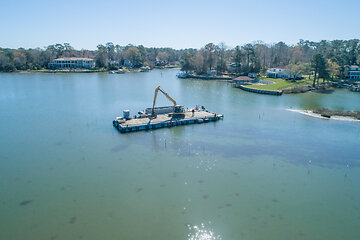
[{"x": 312, "y": 114}]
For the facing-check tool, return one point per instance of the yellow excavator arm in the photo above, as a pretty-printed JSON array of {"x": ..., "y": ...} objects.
[{"x": 166, "y": 95}]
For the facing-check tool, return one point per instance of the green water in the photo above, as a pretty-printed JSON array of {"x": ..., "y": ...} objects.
[{"x": 261, "y": 173}]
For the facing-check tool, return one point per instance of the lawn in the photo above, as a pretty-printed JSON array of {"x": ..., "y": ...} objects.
[{"x": 281, "y": 84}]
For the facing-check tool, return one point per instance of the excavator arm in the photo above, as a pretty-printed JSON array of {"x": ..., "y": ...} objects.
[{"x": 166, "y": 95}]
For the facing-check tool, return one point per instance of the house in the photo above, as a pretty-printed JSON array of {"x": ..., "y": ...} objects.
[
  {"x": 244, "y": 80},
  {"x": 355, "y": 87},
  {"x": 115, "y": 63},
  {"x": 252, "y": 75},
  {"x": 72, "y": 63},
  {"x": 128, "y": 63},
  {"x": 281, "y": 72},
  {"x": 231, "y": 67},
  {"x": 352, "y": 72},
  {"x": 278, "y": 72},
  {"x": 211, "y": 72},
  {"x": 160, "y": 63}
]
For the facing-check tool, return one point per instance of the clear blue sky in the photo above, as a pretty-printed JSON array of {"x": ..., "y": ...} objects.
[{"x": 177, "y": 24}]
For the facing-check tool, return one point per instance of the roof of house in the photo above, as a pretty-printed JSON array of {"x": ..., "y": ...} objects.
[
  {"x": 279, "y": 67},
  {"x": 243, "y": 78},
  {"x": 73, "y": 59},
  {"x": 353, "y": 66}
]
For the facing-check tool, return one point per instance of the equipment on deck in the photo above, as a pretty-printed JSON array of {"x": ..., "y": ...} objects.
[{"x": 178, "y": 109}]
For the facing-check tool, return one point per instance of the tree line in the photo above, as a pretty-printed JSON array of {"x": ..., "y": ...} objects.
[
  {"x": 326, "y": 58},
  {"x": 110, "y": 56},
  {"x": 107, "y": 56}
]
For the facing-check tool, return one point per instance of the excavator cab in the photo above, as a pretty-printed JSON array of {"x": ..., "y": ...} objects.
[
  {"x": 179, "y": 112},
  {"x": 179, "y": 109}
]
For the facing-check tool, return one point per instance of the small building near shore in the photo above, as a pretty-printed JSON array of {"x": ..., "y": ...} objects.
[
  {"x": 252, "y": 75},
  {"x": 352, "y": 72},
  {"x": 244, "y": 80},
  {"x": 211, "y": 72},
  {"x": 128, "y": 63},
  {"x": 72, "y": 63},
  {"x": 231, "y": 68}
]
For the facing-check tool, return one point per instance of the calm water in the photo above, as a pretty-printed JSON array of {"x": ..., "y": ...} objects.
[{"x": 261, "y": 173}]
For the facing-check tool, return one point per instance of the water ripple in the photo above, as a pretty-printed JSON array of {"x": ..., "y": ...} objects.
[{"x": 202, "y": 233}]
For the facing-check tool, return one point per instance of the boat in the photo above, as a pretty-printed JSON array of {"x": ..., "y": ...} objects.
[
  {"x": 119, "y": 71},
  {"x": 145, "y": 69}
]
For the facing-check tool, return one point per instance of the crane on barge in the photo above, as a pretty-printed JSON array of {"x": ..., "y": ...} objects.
[{"x": 178, "y": 109}]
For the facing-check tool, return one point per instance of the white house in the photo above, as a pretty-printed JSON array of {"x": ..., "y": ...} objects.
[
  {"x": 72, "y": 62},
  {"x": 211, "y": 72},
  {"x": 231, "y": 67},
  {"x": 352, "y": 72},
  {"x": 252, "y": 75},
  {"x": 280, "y": 72}
]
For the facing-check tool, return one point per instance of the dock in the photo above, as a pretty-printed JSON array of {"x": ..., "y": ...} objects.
[{"x": 165, "y": 120}]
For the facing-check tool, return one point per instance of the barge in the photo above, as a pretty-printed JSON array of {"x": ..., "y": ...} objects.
[
  {"x": 161, "y": 117},
  {"x": 164, "y": 120}
]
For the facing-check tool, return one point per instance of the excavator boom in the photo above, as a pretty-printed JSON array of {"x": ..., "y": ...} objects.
[{"x": 166, "y": 95}]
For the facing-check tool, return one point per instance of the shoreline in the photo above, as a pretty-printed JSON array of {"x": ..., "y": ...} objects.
[
  {"x": 84, "y": 71},
  {"x": 204, "y": 77},
  {"x": 260, "y": 91},
  {"x": 316, "y": 115},
  {"x": 54, "y": 71}
]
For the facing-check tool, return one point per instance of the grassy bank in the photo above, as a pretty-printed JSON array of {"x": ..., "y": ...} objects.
[{"x": 282, "y": 84}]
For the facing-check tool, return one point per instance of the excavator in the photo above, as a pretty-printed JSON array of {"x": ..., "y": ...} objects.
[{"x": 178, "y": 109}]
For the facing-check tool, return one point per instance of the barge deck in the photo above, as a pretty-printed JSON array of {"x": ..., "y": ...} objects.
[{"x": 165, "y": 120}]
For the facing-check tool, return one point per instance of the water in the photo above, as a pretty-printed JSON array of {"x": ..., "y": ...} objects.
[{"x": 261, "y": 173}]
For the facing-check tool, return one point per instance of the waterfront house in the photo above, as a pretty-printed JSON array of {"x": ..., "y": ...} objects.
[
  {"x": 160, "y": 63},
  {"x": 252, "y": 75},
  {"x": 352, "y": 72},
  {"x": 281, "y": 72},
  {"x": 72, "y": 63},
  {"x": 211, "y": 72},
  {"x": 115, "y": 63},
  {"x": 231, "y": 67},
  {"x": 128, "y": 63}
]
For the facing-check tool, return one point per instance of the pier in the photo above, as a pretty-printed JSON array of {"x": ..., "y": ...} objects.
[{"x": 165, "y": 120}]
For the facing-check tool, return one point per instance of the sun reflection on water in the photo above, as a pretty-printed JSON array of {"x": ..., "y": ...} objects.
[{"x": 202, "y": 233}]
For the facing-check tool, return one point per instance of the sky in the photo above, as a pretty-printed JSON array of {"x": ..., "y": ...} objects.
[{"x": 176, "y": 24}]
